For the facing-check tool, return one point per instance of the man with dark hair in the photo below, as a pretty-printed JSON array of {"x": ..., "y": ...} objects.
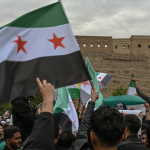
[
  {"x": 12, "y": 137},
  {"x": 132, "y": 141},
  {"x": 144, "y": 136},
  {"x": 107, "y": 128},
  {"x": 66, "y": 140}
]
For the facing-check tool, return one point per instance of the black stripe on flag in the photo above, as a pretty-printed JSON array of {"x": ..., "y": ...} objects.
[
  {"x": 105, "y": 81},
  {"x": 19, "y": 78}
]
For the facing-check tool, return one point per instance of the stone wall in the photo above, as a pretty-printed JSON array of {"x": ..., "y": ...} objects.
[{"x": 120, "y": 65}]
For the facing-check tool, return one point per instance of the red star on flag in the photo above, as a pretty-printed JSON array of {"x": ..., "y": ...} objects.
[
  {"x": 57, "y": 41},
  {"x": 85, "y": 83},
  {"x": 99, "y": 83},
  {"x": 20, "y": 44},
  {"x": 135, "y": 94},
  {"x": 131, "y": 108},
  {"x": 74, "y": 122},
  {"x": 100, "y": 78},
  {"x": 123, "y": 113}
]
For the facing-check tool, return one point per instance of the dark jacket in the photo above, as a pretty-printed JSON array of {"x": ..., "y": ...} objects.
[
  {"x": 142, "y": 95},
  {"x": 42, "y": 136},
  {"x": 132, "y": 142},
  {"x": 6, "y": 148},
  {"x": 81, "y": 137},
  {"x": 23, "y": 116}
]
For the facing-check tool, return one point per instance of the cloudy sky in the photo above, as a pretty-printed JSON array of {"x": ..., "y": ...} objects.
[{"x": 117, "y": 18}]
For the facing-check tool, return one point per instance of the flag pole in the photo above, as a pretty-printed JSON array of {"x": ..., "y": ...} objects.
[
  {"x": 92, "y": 84},
  {"x": 124, "y": 77}
]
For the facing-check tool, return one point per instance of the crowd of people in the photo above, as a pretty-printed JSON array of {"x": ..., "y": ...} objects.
[{"x": 103, "y": 129}]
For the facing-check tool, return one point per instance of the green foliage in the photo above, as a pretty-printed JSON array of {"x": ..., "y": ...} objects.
[
  {"x": 5, "y": 107},
  {"x": 38, "y": 99},
  {"x": 120, "y": 90},
  {"x": 8, "y": 107}
]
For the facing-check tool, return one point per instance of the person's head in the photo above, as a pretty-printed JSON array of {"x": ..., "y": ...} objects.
[
  {"x": 57, "y": 134},
  {"x": 120, "y": 106},
  {"x": 144, "y": 136},
  {"x": 144, "y": 126},
  {"x": 148, "y": 137},
  {"x": 5, "y": 126},
  {"x": 1, "y": 129},
  {"x": 3, "y": 122},
  {"x": 132, "y": 123},
  {"x": 8, "y": 122},
  {"x": 66, "y": 139},
  {"x": 107, "y": 127},
  {"x": 12, "y": 137}
]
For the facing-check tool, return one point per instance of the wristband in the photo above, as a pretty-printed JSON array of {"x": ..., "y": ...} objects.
[{"x": 147, "y": 110}]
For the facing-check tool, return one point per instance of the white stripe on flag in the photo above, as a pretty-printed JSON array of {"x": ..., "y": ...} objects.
[{"x": 37, "y": 42}]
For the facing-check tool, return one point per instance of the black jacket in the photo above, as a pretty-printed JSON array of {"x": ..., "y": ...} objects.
[
  {"x": 23, "y": 116},
  {"x": 132, "y": 142},
  {"x": 81, "y": 137},
  {"x": 6, "y": 148},
  {"x": 42, "y": 136}
]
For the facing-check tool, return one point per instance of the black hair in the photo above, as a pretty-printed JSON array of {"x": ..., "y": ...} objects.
[
  {"x": 133, "y": 123},
  {"x": 144, "y": 126},
  {"x": 66, "y": 139},
  {"x": 10, "y": 131},
  {"x": 1, "y": 124},
  {"x": 5, "y": 126},
  {"x": 89, "y": 138},
  {"x": 108, "y": 125},
  {"x": 57, "y": 131},
  {"x": 144, "y": 132},
  {"x": 148, "y": 134}
]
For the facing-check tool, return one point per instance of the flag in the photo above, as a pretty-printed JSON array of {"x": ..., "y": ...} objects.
[
  {"x": 39, "y": 44},
  {"x": 103, "y": 79},
  {"x": 123, "y": 101},
  {"x": 132, "y": 91},
  {"x": 64, "y": 110},
  {"x": 74, "y": 90},
  {"x": 85, "y": 92},
  {"x": 135, "y": 112}
]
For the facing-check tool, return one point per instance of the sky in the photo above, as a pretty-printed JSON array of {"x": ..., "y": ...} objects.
[{"x": 116, "y": 18}]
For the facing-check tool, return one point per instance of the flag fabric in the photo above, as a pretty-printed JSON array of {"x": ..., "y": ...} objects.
[
  {"x": 125, "y": 100},
  {"x": 39, "y": 44},
  {"x": 74, "y": 90},
  {"x": 103, "y": 79},
  {"x": 85, "y": 92},
  {"x": 64, "y": 110},
  {"x": 136, "y": 112},
  {"x": 132, "y": 91}
]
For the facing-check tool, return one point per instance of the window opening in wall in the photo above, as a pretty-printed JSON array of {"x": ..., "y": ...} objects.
[
  {"x": 116, "y": 46},
  {"x": 91, "y": 45},
  {"x": 105, "y": 40},
  {"x": 105, "y": 45},
  {"x": 139, "y": 45},
  {"x": 99, "y": 45},
  {"x": 84, "y": 45},
  {"x": 148, "y": 46},
  {"x": 84, "y": 39},
  {"x": 128, "y": 46},
  {"x": 124, "y": 46}
]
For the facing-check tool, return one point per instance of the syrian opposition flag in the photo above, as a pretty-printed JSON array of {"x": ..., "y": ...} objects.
[
  {"x": 39, "y": 44},
  {"x": 103, "y": 79},
  {"x": 65, "y": 114},
  {"x": 74, "y": 90},
  {"x": 85, "y": 92},
  {"x": 132, "y": 91}
]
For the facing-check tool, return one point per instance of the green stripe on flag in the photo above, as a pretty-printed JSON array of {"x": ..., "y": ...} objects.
[
  {"x": 74, "y": 93},
  {"x": 132, "y": 84},
  {"x": 48, "y": 16},
  {"x": 95, "y": 83},
  {"x": 62, "y": 100}
]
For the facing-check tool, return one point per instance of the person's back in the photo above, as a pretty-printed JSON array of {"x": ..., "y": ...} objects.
[
  {"x": 132, "y": 141},
  {"x": 23, "y": 116}
]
